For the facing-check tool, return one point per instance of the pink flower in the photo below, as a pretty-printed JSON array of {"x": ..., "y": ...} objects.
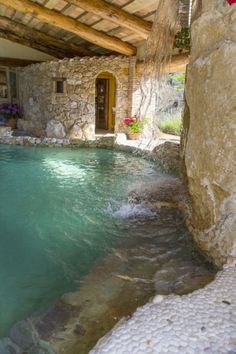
[{"x": 127, "y": 121}]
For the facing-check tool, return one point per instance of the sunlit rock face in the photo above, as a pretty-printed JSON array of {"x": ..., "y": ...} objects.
[{"x": 209, "y": 137}]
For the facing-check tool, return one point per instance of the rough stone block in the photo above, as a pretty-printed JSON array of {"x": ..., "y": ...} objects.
[
  {"x": 55, "y": 129},
  {"x": 5, "y": 131},
  {"x": 24, "y": 335},
  {"x": 8, "y": 347}
]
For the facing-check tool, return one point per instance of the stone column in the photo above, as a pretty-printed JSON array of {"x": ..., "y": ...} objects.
[{"x": 209, "y": 137}]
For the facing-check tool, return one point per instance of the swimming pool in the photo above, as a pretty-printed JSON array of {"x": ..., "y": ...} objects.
[{"x": 58, "y": 215}]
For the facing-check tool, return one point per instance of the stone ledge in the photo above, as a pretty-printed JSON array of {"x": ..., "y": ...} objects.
[{"x": 165, "y": 153}]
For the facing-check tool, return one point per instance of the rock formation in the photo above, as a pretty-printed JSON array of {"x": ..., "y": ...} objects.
[{"x": 209, "y": 141}]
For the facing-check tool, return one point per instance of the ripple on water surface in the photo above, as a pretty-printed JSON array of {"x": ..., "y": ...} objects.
[
  {"x": 55, "y": 220},
  {"x": 66, "y": 225}
]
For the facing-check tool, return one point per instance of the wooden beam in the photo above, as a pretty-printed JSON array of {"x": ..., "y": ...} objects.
[
  {"x": 115, "y": 14},
  {"x": 61, "y": 21},
  {"x": 35, "y": 39},
  {"x": 178, "y": 63},
  {"x": 12, "y": 62}
]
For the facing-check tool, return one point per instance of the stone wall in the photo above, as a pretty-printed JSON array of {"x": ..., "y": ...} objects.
[
  {"x": 209, "y": 138},
  {"x": 71, "y": 114}
]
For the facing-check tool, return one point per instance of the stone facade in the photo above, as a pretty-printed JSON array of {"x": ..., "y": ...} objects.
[
  {"x": 72, "y": 113},
  {"x": 209, "y": 140}
]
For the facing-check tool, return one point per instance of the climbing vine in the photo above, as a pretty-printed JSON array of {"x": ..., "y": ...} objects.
[{"x": 182, "y": 39}]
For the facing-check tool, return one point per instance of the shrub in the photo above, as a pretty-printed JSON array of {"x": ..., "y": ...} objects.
[{"x": 171, "y": 126}]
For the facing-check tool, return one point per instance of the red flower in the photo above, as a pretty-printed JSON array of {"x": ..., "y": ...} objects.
[
  {"x": 231, "y": 2},
  {"x": 127, "y": 121}
]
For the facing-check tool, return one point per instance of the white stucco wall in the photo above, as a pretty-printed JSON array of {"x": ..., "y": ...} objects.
[{"x": 9, "y": 49}]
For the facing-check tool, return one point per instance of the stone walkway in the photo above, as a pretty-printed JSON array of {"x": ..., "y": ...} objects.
[
  {"x": 144, "y": 144},
  {"x": 198, "y": 323}
]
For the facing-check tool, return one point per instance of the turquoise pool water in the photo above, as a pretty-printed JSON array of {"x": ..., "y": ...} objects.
[{"x": 58, "y": 215}]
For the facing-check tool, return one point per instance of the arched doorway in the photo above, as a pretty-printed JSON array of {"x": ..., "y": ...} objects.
[{"x": 105, "y": 101}]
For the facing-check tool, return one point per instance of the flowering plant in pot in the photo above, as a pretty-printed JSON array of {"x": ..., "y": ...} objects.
[
  {"x": 134, "y": 127},
  {"x": 10, "y": 112}
]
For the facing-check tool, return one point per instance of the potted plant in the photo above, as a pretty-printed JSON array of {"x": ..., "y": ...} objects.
[
  {"x": 134, "y": 127},
  {"x": 10, "y": 112}
]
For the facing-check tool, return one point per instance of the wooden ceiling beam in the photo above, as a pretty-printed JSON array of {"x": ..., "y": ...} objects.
[
  {"x": 59, "y": 20},
  {"x": 35, "y": 39},
  {"x": 178, "y": 63},
  {"x": 115, "y": 14}
]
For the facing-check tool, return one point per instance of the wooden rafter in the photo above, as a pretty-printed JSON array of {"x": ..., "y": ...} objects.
[
  {"x": 115, "y": 14},
  {"x": 35, "y": 39},
  {"x": 178, "y": 63},
  {"x": 61, "y": 21}
]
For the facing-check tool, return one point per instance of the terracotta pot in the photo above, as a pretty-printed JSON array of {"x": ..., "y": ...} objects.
[
  {"x": 134, "y": 136},
  {"x": 11, "y": 122}
]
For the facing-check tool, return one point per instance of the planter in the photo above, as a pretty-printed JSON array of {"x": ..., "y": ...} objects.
[
  {"x": 134, "y": 136},
  {"x": 11, "y": 122}
]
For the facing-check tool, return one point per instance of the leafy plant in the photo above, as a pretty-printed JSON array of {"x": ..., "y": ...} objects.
[
  {"x": 171, "y": 126},
  {"x": 182, "y": 39},
  {"x": 177, "y": 80},
  {"x": 134, "y": 124}
]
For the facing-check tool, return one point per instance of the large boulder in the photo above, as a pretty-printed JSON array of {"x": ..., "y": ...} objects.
[
  {"x": 24, "y": 335},
  {"x": 8, "y": 347},
  {"x": 55, "y": 129},
  {"x": 168, "y": 192},
  {"x": 167, "y": 155},
  {"x": 33, "y": 127},
  {"x": 209, "y": 140},
  {"x": 75, "y": 132},
  {"x": 88, "y": 131}
]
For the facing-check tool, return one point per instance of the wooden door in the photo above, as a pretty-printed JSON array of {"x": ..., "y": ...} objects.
[{"x": 102, "y": 103}]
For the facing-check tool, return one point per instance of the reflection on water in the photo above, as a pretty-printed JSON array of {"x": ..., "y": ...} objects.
[
  {"x": 154, "y": 255},
  {"x": 66, "y": 226},
  {"x": 54, "y": 223},
  {"x": 64, "y": 169}
]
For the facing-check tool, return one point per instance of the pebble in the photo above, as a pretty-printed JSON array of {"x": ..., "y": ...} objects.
[{"x": 203, "y": 324}]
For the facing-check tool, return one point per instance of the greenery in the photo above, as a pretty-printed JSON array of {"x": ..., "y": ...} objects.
[
  {"x": 134, "y": 124},
  {"x": 182, "y": 39},
  {"x": 177, "y": 80},
  {"x": 171, "y": 126},
  {"x": 136, "y": 127}
]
